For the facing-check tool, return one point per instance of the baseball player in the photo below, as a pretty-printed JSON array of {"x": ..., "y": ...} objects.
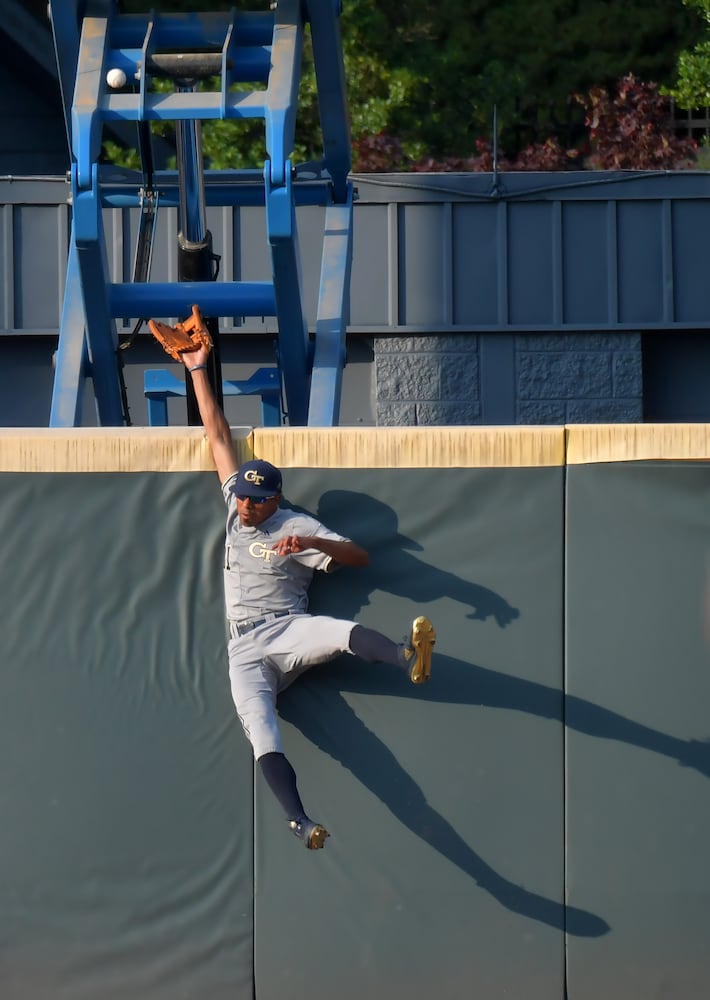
[{"x": 270, "y": 557}]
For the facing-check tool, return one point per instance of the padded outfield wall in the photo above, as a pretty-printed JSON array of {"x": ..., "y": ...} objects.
[{"x": 532, "y": 820}]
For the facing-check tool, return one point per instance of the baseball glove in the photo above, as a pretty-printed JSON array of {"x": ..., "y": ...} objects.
[{"x": 185, "y": 337}]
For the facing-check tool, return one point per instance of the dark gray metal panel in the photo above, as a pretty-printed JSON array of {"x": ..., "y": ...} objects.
[
  {"x": 584, "y": 185},
  {"x": 587, "y": 288},
  {"x": 638, "y": 760},
  {"x": 443, "y": 874},
  {"x": 251, "y": 260},
  {"x": 478, "y": 232},
  {"x": 423, "y": 252},
  {"x": 531, "y": 265},
  {"x": 444, "y": 254},
  {"x": 371, "y": 283},
  {"x": 126, "y": 838},
  {"x": 497, "y": 378},
  {"x": 640, "y": 254},
  {"x": 691, "y": 224},
  {"x": 38, "y": 245}
]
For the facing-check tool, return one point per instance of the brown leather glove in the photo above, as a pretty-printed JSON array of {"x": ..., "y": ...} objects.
[{"x": 187, "y": 336}]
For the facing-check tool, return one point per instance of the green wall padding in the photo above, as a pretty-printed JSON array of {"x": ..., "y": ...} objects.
[
  {"x": 126, "y": 840},
  {"x": 637, "y": 750},
  {"x": 444, "y": 873},
  {"x": 559, "y": 755},
  {"x": 137, "y": 856}
]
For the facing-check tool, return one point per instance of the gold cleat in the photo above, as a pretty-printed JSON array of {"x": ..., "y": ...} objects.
[
  {"x": 313, "y": 835},
  {"x": 419, "y": 649}
]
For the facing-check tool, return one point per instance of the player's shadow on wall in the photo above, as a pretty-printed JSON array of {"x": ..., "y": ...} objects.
[
  {"x": 395, "y": 567},
  {"x": 338, "y": 731},
  {"x": 395, "y": 570}
]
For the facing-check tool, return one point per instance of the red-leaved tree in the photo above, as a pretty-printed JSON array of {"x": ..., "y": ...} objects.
[
  {"x": 630, "y": 130},
  {"x": 633, "y": 129}
]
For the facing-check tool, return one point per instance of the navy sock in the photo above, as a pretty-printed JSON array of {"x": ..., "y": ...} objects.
[{"x": 281, "y": 779}]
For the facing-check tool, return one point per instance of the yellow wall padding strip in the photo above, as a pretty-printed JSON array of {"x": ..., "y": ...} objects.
[
  {"x": 410, "y": 447},
  {"x": 637, "y": 442},
  {"x": 111, "y": 449},
  {"x": 185, "y": 449}
]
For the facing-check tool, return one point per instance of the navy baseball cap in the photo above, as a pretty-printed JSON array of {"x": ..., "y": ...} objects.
[{"x": 258, "y": 479}]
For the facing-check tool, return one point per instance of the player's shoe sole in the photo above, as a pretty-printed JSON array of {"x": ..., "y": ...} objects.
[
  {"x": 421, "y": 643},
  {"x": 313, "y": 835}
]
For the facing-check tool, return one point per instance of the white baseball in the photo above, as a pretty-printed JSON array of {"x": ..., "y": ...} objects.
[{"x": 116, "y": 78}]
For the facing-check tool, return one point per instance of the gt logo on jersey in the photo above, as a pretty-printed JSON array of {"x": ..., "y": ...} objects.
[
  {"x": 252, "y": 476},
  {"x": 260, "y": 551}
]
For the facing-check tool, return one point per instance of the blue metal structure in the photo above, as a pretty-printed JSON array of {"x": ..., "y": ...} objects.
[
  {"x": 160, "y": 384},
  {"x": 260, "y": 48}
]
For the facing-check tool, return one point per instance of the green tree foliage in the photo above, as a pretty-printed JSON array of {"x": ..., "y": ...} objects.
[
  {"x": 525, "y": 58},
  {"x": 424, "y": 77},
  {"x": 692, "y": 85}
]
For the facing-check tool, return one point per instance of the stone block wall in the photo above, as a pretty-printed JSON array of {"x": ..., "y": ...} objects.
[
  {"x": 574, "y": 378},
  {"x": 546, "y": 379},
  {"x": 427, "y": 380}
]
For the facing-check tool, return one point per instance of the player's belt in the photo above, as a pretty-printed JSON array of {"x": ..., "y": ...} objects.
[{"x": 241, "y": 628}]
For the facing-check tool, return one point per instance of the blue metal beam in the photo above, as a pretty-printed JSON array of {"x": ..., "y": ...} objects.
[
  {"x": 324, "y": 17},
  {"x": 239, "y": 47},
  {"x": 333, "y": 308},
  {"x": 90, "y": 83},
  {"x": 293, "y": 330},
  {"x": 215, "y": 298},
  {"x": 282, "y": 92},
  {"x": 66, "y": 32},
  {"x": 71, "y": 357},
  {"x": 159, "y": 385}
]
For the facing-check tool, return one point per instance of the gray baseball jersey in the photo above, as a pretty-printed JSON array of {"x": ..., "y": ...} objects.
[{"x": 258, "y": 582}]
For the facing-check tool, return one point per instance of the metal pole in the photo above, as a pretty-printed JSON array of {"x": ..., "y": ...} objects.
[{"x": 195, "y": 256}]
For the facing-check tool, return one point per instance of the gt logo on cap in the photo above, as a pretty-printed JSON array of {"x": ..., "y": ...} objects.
[{"x": 252, "y": 476}]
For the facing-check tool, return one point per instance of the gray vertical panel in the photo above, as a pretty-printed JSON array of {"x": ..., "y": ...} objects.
[
  {"x": 530, "y": 264},
  {"x": 120, "y": 251},
  {"x": 421, "y": 236},
  {"x": 37, "y": 267},
  {"x": 370, "y": 274},
  {"x": 640, "y": 262},
  {"x": 691, "y": 224},
  {"x": 310, "y": 223},
  {"x": 497, "y": 378},
  {"x": 251, "y": 258},
  {"x": 220, "y": 225},
  {"x": 126, "y": 834},
  {"x": 7, "y": 267},
  {"x": 475, "y": 237},
  {"x": 164, "y": 267},
  {"x": 584, "y": 238},
  {"x": 443, "y": 874},
  {"x": 638, "y": 761}
]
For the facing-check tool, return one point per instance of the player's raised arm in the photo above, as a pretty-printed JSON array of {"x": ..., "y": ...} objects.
[
  {"x": 190, "y": 343},
  {"x": 213, "y": 419}
]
